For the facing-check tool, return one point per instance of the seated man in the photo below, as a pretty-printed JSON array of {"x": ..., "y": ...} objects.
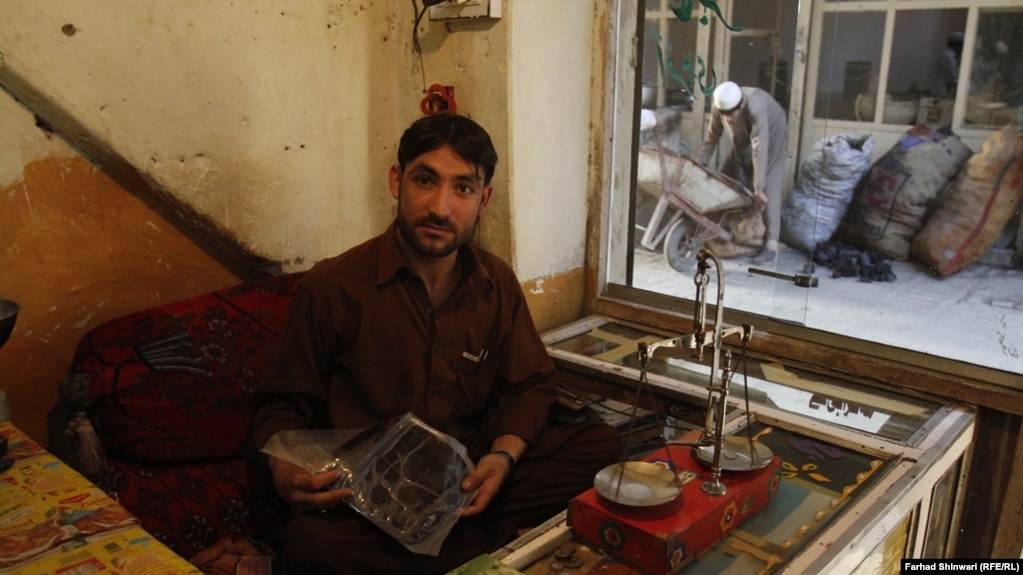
[{"x": 419, "y": 320}]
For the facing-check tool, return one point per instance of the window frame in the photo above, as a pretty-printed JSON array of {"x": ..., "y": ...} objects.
[
  {"x": 887, "y": 135},
  {"x": 875, "y": 364}
]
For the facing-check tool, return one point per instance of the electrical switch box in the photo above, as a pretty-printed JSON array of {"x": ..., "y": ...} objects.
[{"x": 465, "y": 9}]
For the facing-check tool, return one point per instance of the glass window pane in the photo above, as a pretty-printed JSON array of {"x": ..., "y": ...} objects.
[
  {"x": 996, "y": 82},
  {"x": 851, "y": 45},
  {"x": 759, "y": 53},
  {"x": 756, "y": 61},
  {"x": 939, "y": 524},
  {"x": 671, "y": 66},
  {"x": 972, "y": 316},
  {"x": 886, "y": 556},
  {"x": 926, "y": 53},
  {"x": 828, "y": 399}
]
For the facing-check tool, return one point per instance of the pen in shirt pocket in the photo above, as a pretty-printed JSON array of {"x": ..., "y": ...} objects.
[{"x": 476, "y": 358}]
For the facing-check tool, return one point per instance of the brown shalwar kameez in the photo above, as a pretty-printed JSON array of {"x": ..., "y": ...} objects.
[{"x": 365, "y": 345}]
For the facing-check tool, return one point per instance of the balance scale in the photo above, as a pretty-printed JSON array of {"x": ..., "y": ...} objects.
[{"x": 658, "y": 514}]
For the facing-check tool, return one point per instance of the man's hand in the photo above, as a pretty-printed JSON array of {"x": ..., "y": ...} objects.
[
  {"x": 761, "y": 198},
  {"x": 491, "y": 472},
  {"x": 306, "y": 490},
  {"x": 488, "y": 477}
]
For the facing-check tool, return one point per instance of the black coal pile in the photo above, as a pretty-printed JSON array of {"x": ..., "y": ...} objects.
[{"x": 850, "y": 261}]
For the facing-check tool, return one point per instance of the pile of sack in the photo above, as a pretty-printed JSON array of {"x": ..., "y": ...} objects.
[{"x": 929, "y": 197}]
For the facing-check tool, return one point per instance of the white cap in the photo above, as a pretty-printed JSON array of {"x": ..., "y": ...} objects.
[{"x": 727, "y": 96}]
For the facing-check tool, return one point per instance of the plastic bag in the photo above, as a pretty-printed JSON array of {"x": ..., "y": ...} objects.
[{"x": 405, "y": 475}]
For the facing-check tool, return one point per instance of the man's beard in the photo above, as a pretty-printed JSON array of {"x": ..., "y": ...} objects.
[{"x": 432, "y": 249}]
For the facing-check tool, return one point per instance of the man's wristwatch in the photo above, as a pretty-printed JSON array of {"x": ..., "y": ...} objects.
[{"x": 507, "y": 457}]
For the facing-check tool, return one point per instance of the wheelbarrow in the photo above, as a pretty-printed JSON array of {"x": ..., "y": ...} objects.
[{"x": 701, "y": 202}]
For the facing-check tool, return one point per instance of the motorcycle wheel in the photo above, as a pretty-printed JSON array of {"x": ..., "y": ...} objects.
[{"x": 681, "y": 245}]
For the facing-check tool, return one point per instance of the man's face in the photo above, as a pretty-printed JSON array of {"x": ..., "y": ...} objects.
[{"x": 440, "y": 197}]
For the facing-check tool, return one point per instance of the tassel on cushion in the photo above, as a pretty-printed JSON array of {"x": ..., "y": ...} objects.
[{"x": 88, "y": 451}]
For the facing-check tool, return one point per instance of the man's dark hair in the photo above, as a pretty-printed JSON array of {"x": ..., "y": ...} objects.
[{"x": 467, "y": 138}]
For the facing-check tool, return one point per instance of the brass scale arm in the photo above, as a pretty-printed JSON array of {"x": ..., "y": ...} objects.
[{"x": 717, "y": 387}]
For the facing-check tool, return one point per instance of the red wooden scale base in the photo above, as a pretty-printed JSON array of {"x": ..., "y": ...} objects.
[{"x": 662, "y": 539}]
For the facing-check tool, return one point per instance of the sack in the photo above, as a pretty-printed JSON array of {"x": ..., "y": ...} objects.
[
  {"x": 729, "y": 249},
  {"x": 889, "y": 207},
  {"x": 982, "y": 201},
  {"x": 827, "y": 180},
  {"x": 747, "y": 226}
]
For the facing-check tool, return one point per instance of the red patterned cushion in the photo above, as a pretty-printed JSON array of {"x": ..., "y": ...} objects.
[
  {"x": 190, "y": 507},
  {"x": 173, "y": 383}
]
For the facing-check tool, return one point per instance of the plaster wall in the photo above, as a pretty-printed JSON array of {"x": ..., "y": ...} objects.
[
  {"x": 268, "y": 126},
  {"x": 75, "y": 250},
  {"x": 274, "y": 123},
  {"x": 552, "y": 84}
]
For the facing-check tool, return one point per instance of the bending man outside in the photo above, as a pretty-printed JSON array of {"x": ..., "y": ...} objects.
[{"x": 757, "y": 127}]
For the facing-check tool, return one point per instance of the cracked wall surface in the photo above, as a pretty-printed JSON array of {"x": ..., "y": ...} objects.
[
  {"x": 76, "y": 250},
  {"x": 255, "y": 138}
]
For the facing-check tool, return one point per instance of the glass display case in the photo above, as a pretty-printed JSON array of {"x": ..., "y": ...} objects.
[{"x": 868, "y": 475}]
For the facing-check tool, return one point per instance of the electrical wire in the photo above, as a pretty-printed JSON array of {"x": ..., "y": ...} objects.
[
  {"x": 415, "y": 32},
  {"x": 418, "y": 13}
]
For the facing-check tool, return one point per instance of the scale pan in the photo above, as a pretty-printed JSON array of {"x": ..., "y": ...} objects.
[
  {"x": 637, "y": 484},
  {"x": 736, "y": 455}
]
